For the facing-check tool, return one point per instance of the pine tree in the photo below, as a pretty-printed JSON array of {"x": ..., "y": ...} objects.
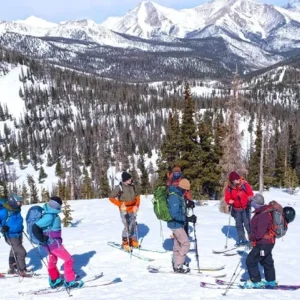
[
  {"x": 42, "y": 175},
  {"x": 144, "y": 176},
  {"x": 169, "y": 148},
  {"x": 32, "y": 190},
  {"x": 45, "y": 196},
  {"x": 190, "y": 155},
  {"x": 104, "y": 185},
  {"x": 59, "y": 172},
  {"x": 86, "y": 188},
  {"x": 25, "y": 194},
  {"x": 67, "y": 219},
  {"x": 254, "y": 163}
]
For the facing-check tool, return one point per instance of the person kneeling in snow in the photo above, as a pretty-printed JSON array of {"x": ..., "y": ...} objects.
[
  {"x": 48, "y": 231},
  {"x": 177, "y": 210},
  {"x": 124, "y": 196}
]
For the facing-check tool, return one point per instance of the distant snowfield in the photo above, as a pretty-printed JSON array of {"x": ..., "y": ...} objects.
[{"x": 97, "y": 221}]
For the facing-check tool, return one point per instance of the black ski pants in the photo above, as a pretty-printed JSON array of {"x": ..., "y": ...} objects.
[{"x": 261, "y": 253}]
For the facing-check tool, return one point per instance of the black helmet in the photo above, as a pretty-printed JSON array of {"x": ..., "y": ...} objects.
[{"x": 289, "y": 213}]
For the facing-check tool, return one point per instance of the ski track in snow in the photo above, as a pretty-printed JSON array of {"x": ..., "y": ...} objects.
[{"x": 95, "y": 222}]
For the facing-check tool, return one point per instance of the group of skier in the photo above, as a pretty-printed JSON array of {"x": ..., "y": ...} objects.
[
  {"x": 238, "y": 195},
  {"x": 47, "y": 230},
  {"x": 261, "y": 235}
]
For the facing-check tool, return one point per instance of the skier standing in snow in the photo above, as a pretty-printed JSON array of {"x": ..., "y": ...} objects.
[
  {"x": 177, "y": 210},
  {"x": 48, "y": 231},
  {"x": 173, "y": 180},
  {"x": 263, "y": 243},
  {"x": 11, "y": 223},
  {"x": 128, "y": 202},
  {"x": 237, "y": 195}
]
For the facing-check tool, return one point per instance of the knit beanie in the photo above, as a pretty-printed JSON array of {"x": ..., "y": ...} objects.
[
  {"x": 184, "y": 184},
  {"x": 259, "y": 199},
  {"x": 125, "y": 176},
  {"x": 234, "y": 176},
  {"x": 55, "y": 202}
]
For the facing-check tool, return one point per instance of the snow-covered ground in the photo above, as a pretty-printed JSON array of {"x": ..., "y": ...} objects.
[{"x": 95, "y": 222}]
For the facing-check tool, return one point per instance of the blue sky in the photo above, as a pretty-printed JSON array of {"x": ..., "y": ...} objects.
[{"x": 97, "y": 10}]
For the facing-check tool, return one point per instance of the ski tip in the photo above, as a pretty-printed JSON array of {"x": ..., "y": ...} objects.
[{"x": 116, "y": 280}]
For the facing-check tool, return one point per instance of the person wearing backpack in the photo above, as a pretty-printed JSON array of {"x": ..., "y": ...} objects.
[
  {"x": 177, "y": 210},
  {"x": 11, "y": 223},
  {"x": 173, "y": 180},
  {"x": 125, "y": 198},
  {"x": 47, "y": 230},
  {"x": 263, "y": 243},
  {"x": 237, "y": 194}
]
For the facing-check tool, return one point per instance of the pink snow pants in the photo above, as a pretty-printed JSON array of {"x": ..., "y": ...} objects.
[{"x": 64, "y": 255}]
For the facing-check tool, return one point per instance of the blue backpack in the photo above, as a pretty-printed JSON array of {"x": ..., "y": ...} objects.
[{"x": 34, "y": 214}]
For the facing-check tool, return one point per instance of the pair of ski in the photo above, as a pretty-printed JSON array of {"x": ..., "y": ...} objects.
[
  {"x": 230, "y": 252},
  {"x": 204, "y": 272},
  {"x": 223, "y": 285},
  {"x": 63, "y": 288},
  {"x": 135, "y": 251}
]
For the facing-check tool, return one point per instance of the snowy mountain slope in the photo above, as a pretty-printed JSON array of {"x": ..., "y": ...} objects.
[
  {"x": 95, "y": 222},
  {"x": 293, "y": 5}
]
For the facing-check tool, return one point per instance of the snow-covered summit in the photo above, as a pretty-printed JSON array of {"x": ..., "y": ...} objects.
[
  {"x": 293, "y": 5},
  {"x": 34, "y": 21}
]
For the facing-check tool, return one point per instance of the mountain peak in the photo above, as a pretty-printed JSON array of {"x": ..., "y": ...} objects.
[
  {"x": 293, "y": 5},
  {"x": 37, "y": 22}
]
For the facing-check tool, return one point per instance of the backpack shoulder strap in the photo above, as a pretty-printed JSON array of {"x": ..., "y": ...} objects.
[{"x": 120, "y": 191}]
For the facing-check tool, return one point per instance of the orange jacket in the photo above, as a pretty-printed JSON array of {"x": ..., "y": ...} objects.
[{"x": 129, "y": 204}]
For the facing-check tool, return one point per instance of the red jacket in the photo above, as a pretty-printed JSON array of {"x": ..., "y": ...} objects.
[
  {"x": 187, "y": 195},
  {"x": 240, "y": 194}
]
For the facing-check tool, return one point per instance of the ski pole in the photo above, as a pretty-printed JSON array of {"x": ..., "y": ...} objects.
[
  {"x": 38, "y": 253},
  {"x": 196, "y": 245},
  {"x": 233, "y": 278},
  {"x": 230, "y": 208}
]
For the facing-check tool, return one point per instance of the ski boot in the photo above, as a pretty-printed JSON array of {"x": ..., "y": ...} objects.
[
  {"x": 74, "y": 284},
  {"x": 253, "y": 285},
  {"x": 125, "y": 245},
  {"x": 272, "y": 283},
  {"x": 133, "y": 242},
  {"x": 182, "y": 268},
  {"x": 55, "y": 283}
]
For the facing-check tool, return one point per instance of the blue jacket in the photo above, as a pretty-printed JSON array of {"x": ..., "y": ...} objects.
[
  {"x": 176, "y": 206},
  {"x": 51, "y": 225},
  {"x": 13, "y": 219}
]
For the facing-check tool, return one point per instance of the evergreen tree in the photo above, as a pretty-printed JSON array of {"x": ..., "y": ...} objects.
[
  {"x": 144, "y": 176},
  {"x": 104, "y": 185},
  {"x": 190, "y": 156},
  {"x": 169, "y": 148},
  {"x": 32, "y": 190},
  {"x": 42, "y": 175},
  {"x": 45, "y": 196},
  {"x": 254, "y": 162},
  {"x": 59, "y": 172},
  {"x": 25, "y": 194},
  {"x": 67, "y": 219},
  {"x": 86, "y": 188}
]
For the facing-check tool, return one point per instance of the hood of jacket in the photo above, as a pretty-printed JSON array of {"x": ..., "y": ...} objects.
[{"x": 50, "y": 210}]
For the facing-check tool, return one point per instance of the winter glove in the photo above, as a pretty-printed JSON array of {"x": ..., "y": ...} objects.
[
  {"x": 192, "y": 219},
  {"x": 5, "y": 229},
  {"x": 190, "y": 204},
  {"x": 44, "y": 240},
  {"x": 123, "y": 207}
]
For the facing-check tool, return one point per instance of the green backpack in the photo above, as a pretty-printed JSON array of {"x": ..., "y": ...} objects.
[{"x": 160, "y": 204}]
